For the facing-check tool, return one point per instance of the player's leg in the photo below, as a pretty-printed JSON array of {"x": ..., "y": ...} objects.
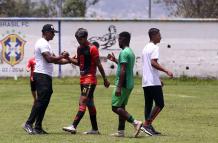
[
  {"x": 93, "y": 119},
  {"x": 36, "y": 112},
  {"x": 45, "y": 91},
  {"x": 92, "y": 114},
  {"x": 122, "y": 121},
  {"x": 118, "y": 107},
  {"x": 157, "y": 94},
  {"x": 159, "y": 103},
  {"x": 33, "y": 90},
  {"x": 85, "y": 89},
  {"x": 148, "y": 98},
  {"x": 121, "y": 128},
  {"x": 28, "y": 126},
  {"x": 92, "y": 111},
  {"x": 81, "y": 111}
]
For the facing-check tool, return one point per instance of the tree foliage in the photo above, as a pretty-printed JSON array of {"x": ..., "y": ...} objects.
[
  {"x": 193, "y": 8},
  {"x": 77, "y": 8},
  {"x": 16, "y": 8},
  {"x": 51, "y": 8}
]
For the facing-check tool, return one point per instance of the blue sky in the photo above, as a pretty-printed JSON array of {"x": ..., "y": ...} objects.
[{"x": 127, "y": 9}]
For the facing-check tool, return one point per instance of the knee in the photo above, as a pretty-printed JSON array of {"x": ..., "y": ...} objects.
[
  {"x": 117, "y": 109},
  {"x": 82, "y": 108},
  {"x": 114, "y": 109}
]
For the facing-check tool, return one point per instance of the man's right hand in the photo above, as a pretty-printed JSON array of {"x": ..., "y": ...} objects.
[
  {"x": 111, "y": 57},
  {"x": 170, "y": 74},
  {"x": 65, "y": 54}
]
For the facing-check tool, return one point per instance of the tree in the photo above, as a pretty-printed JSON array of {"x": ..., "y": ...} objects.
[
  {"x": 77, "y": 8},
  {"x": 193, "y": 8},
  {"x": 16, "y": 8},
  {"x": 49, "y": 8}
]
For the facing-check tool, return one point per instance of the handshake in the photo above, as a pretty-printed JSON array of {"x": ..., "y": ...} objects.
[{"x": 65, "y": 54}]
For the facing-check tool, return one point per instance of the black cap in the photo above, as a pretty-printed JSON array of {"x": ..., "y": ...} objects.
[
  {"x": 49, "y": 28},
  {"x": 81, "y": 32}
]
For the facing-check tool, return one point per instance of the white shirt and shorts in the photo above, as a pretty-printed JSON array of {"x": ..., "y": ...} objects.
[{"x": 151, "y": 82}]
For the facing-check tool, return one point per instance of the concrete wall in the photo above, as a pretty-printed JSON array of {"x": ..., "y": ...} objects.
[{"x": 188, "y": 47}]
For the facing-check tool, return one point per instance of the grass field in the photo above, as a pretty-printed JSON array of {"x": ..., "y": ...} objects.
[{"x": 190, "y": 114}]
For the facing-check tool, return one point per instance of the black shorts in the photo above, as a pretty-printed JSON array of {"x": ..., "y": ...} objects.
[
  {"x": 154, "y": 93},
  {"x": 33, "y": 85},
  {"x": 87, "y": 90}
]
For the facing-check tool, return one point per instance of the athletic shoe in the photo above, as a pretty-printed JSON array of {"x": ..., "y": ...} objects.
[
  {"x": 92, "y": 132},
  {"x": 147, "y": 130},
  {"x": 137, "y": 127},
  {"x": 28, "y": 128},
  {"x": 118, "y": 134},
  {"x": 154, "y": 131},
  {"x": 39, "y": 131},
  {"x": 70, "y": 129}
]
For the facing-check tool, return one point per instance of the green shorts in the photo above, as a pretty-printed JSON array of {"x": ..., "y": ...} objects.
[{"x": 118, "y": 101}]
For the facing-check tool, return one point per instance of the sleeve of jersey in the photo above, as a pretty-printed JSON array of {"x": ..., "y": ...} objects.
[
  {"x": 123, "y": 57},
  {"x": 94, "y": 52},
  {"x": 155, "y": 53},
  {"x": 44, "y": 48}
]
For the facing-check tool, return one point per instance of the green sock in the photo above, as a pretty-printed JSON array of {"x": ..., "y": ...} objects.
[{"x": 130, "y": 119}]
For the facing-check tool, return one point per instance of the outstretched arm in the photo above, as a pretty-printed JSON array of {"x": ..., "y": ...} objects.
[
  {"x": 51, "y": 58},
  {"x": 156, "y": 65},
  {"x": 74, "y": 60}
]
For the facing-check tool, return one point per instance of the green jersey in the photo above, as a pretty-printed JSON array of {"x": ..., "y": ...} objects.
[{"x": 128, "y": 57}]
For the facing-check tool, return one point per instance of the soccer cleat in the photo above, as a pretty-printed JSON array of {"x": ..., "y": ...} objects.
[
  {"x": 137, "y": 127},
  {"x": 154, "y": 131},
  {"x": 147, "y": 130},
  {"x": 39, "y": 131},
  {"x": 92, "y": 132},
  {"x": 28, "y": 128},
  {"x": 70, "y": 129},
  {"x": 118, "y": 134}
]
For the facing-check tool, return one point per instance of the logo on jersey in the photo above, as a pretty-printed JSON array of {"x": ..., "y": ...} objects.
[{"x": 13, "y": 49}]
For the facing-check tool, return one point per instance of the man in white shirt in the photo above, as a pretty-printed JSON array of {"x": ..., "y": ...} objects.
[
  {"x": 151, "y": 82},
  {"x": 43, "y": 78}
]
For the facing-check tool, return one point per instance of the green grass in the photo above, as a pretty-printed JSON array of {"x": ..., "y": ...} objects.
[{"x": 190, "y": 114}]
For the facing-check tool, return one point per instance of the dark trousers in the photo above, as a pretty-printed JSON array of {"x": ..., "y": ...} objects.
[
  {"x": 44, "y": 92},
  {"x": 152, "y": 93}
]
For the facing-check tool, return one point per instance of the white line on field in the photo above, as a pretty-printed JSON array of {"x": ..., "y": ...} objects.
[{"x": 181, "y": 95}]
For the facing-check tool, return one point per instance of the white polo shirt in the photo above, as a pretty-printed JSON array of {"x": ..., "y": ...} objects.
[
  {"x": 150, "y": 75},
  {"x": 42, "y": 66}
]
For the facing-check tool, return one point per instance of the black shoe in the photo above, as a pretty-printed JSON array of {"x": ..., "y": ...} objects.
[
  {"x": 147, "y": 130},
  {"x": 28, "y": 128},
  {"x": 39, "y": 131},
  {"x": 154, "y": 131}
]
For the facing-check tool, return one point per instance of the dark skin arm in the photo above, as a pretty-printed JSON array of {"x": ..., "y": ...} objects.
[
  {"x": 51, "y": 58},
  {"x": 121, "y": 79},
  {"x": 112, "y": 58},
  {"x": 74, "y": 60},
  {"x": 101, "y": 70}
]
